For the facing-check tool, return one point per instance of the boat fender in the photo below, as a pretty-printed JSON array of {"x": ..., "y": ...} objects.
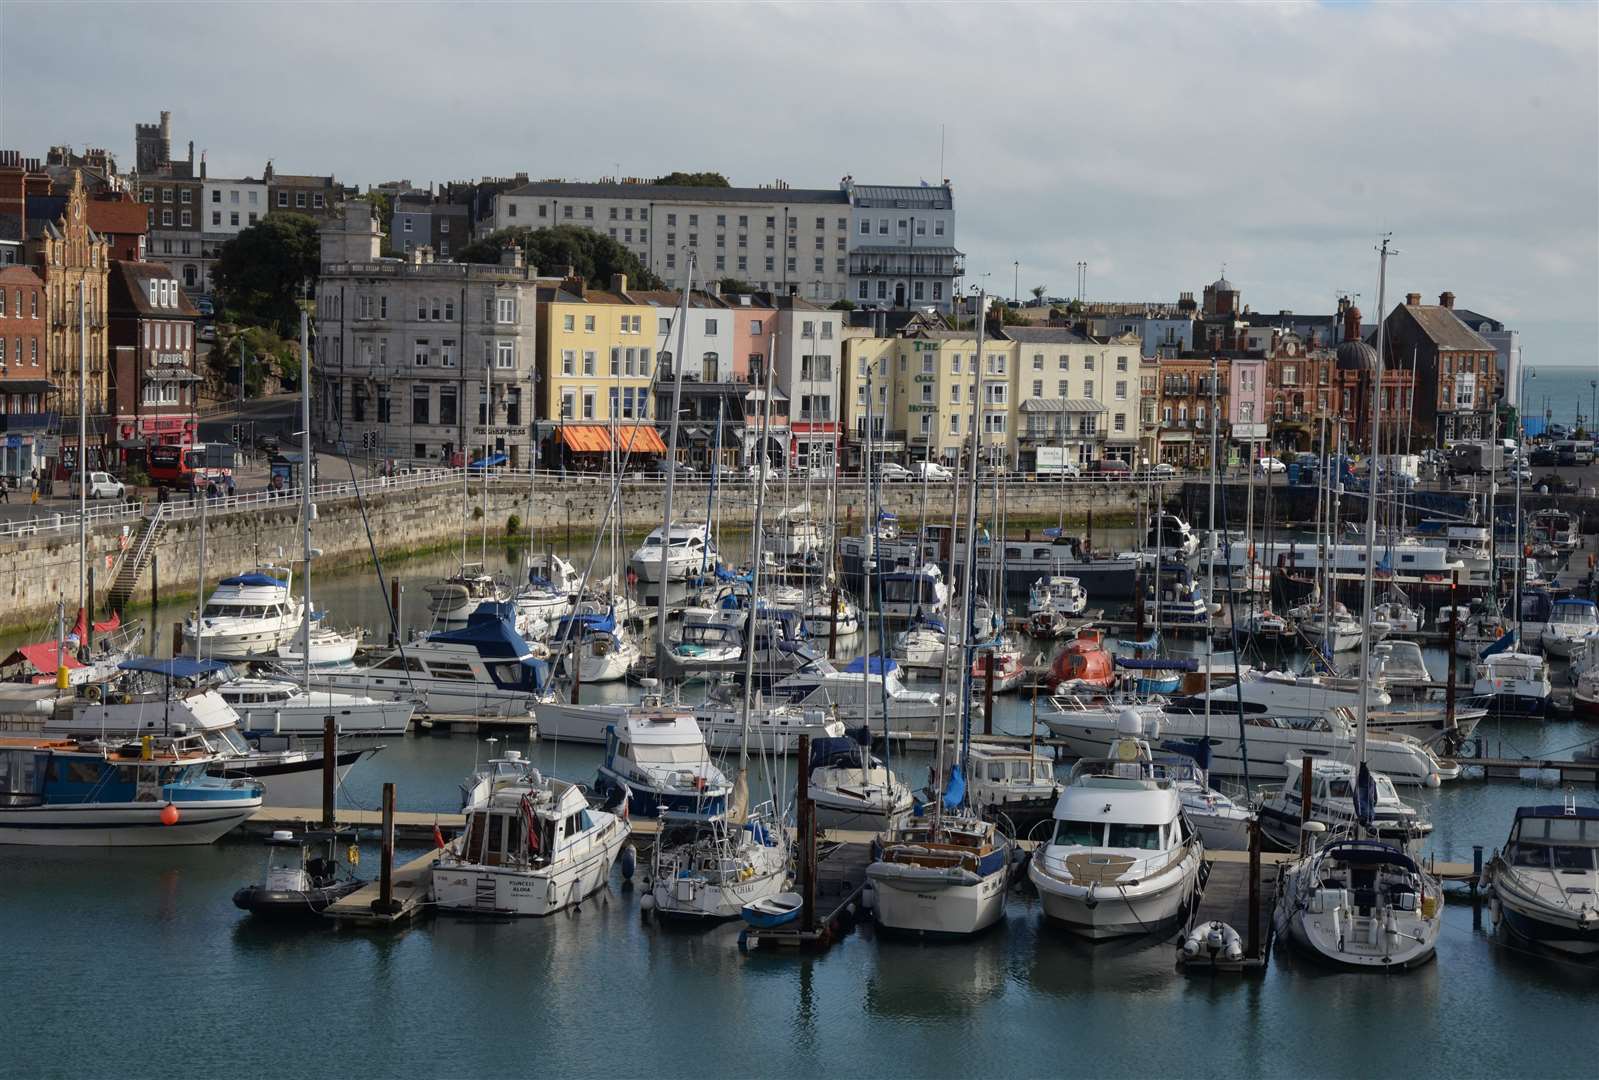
[
  {"x": 868, "y": 897},
  {"x": 646, "y": 904},
  {"x": 629, "y": 862},
  {"x": 1494, "y": 911}
]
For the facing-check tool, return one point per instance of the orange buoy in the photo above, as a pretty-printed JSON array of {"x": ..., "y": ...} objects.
[{"x": 169, "y": 814}]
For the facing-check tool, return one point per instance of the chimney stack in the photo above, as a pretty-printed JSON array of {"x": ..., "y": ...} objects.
[
  {"x": 1446, "y": 299},
  {"x": 511, "y": 256},
  {"x": 1413, "y": 299},
  {"x": 619, "y": 284},
  {"x": 1351, "y": 322}
]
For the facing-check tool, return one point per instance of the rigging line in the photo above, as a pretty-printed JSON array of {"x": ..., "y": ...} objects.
[{"x": 377, "y": 564}]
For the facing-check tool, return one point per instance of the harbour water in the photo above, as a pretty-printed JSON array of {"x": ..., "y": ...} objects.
[{"x": 133, "y": 962}]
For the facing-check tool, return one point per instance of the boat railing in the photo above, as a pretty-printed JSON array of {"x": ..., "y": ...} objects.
[{"x": 1107, "y": 867}]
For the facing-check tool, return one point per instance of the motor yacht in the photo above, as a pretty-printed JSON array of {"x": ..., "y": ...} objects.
[
  {"x": 1571, "y": 623},
  {"x": 277, "y": 706},
  {"x": 657, "y": 757},
  {"x": 689, "y": 551},
  {"x": 1332, "y": 802},
  {"x": 248, "y": 615},
  {"x": 1543, "y": 887}
]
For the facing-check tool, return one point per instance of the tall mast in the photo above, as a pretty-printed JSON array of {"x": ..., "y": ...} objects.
[
  {"x": 968, "y": 573},
  {"x": 1371, "y": 505},
  {"x": 83, "y": 466},
  {"x": 305, "y": 490},
  {"x": 1210, "y": 590},
  {"x": 671, "y": 462}
]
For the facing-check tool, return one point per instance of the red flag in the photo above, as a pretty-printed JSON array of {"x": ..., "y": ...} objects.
[{"x": 438, "y": 837}]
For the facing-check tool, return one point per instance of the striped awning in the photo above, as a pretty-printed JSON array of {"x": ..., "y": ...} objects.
[
  {"x": 586, "y": 438},
  {"x": 596, "y": 439},
  {"x": 639, "y": 439}
]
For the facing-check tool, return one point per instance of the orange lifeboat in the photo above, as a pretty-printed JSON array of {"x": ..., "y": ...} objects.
[{"x": 1084, "y": 661}]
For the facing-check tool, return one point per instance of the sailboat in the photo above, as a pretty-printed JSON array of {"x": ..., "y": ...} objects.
[
  {"x": 709, "y": 866},
  {"x": 946, "y": 871},
  {"x": 1363, "y": 903}
]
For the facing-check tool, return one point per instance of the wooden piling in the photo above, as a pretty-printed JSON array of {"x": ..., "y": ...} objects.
[
  {"x": 1449, "y": 647},
  {"x": 384, "y": 904},
  {"x": 395, "y": 622},
  {"x": 807, "y": 839},
  {"x": 177, "y": 640},
  {"x": 330, "y": 765},
  {"x": 1254, "y": 942},
  {"x": 832, "y": 625},
  {"x": 1304, "y": 804},
  {"x": 988, "y": 695}
]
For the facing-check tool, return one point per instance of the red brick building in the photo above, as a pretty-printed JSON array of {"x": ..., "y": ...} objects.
[
  {"x": 26, "y": 407},
  {"x": 154, "y": 384},
  {"x": 122, "y": 222}
]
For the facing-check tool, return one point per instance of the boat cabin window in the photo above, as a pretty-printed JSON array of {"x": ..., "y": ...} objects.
[
  {"x": 669, "y": 753},
  {"x": 1043, "y": 770},
  {"x": 441, "y": 669},
  {"x": 1146, "y": 837},
  {"x": 401, "y": 663},
  {"x": 1079, "y": 833}
]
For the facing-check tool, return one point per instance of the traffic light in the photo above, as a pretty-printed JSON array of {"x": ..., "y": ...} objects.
[{"x": 238, "y": 434}]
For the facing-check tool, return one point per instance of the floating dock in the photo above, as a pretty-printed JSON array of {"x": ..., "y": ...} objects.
[
  {"x": 840, "y": 877},
  {"x": 413, "y": 890}
]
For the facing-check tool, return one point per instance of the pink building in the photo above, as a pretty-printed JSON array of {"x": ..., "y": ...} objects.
[
  {"x": 1247, "y": 402},
  {"x": 754, "y": 319}
]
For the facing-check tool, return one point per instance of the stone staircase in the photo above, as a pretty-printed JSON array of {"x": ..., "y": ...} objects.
[{"x": 134, "y": 559}]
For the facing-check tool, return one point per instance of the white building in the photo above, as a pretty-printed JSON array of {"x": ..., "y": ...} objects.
[
  {"x": 902, "y": 246},
  {"x": 230, "y": 206},
  {"x": 808, "y": 355},
  {"x": 1081, "y": 393},
  {"x": 418, "y": 360}
]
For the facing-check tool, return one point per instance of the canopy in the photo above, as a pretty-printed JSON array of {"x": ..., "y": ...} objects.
[
  {"x": 639, "y": 439},
  {"x": 1368, "y": 851},
  {"x": 489, "y": 462},
  {"x": 586, "y": 438},
  {"x": 253, "y": 578},
  {"x": 587, "y": 622},
  {"x": 877, "y": 665},
  {"x": 596, "y": 439},
  {"x": 491, "y": 629},
  {"x": 1590, "y": 813},
  {"x": 42, "y": 656},
  {"x": 1156, "y": 663},
  {"x": 178, "y": 667}
]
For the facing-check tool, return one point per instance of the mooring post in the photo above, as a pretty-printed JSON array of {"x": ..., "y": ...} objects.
[
  {"x": 807, "y": 829},
  {"x": 988, "y": 695},
  {"x": 1304, "y": 804},
  {"x": 1476, "y": 869},
  {"x": 832, "y": 625},
  {"x": 88, "y": 619},
  {"x": 177, "y": 639},
  {"x": 1254, "y": 890},
  {"x": 396, "y": 623},
  {"x": 330, "y": 764},
  {"x": 1449, "y": 654},
  {"x": 384, "y": 904}
]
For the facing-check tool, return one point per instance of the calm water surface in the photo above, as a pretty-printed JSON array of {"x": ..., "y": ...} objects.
[{"x": 135, "y": 964}]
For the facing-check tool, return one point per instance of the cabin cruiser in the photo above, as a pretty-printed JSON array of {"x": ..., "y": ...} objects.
[
  {"x": 774, "y": 729},
  {"x": 1397, "y": 665},
  {"x": 248, "y": 615},
  {"x": 829, "y": 614},
  {"x": 866, "y": 686},
  {"x": 941, "y": 874},
  {"x": 457, "y": 596},
  {"x": 1571, "y": 623},
  {"x": 1556, "y": 528},
  {"x": 1332, "y": 802},
  {"x": 1544, "y": 886},
  {"x": 1361, "y": 904},
  {"x": 794, "y": 535},
  {"x": 1586, "y": 697},
  {"x": 1512, "y": 684},
  {"x": 532, "y": 845},
  {"x": 708, "y": 867},
  {"x": 484, "y": 668},
  {"x": 850, "y": 788},
  {"x": 913, "y": 593},
  {"x": 689, "y": 551},
  {"x": 1123, "y": 858},
  {"x": 604, "y": 651},
  {"x": 546, "y": 596},
  {"x": 1058, "y": 593},
  {"x": 1089, "y": 728},
  {"x": 280, "y": 707},
  {"x": 657, "y": 758},
  {"x": 329, "y": 647},
  {"x": 1017, "y": 782},
  {"x": 1280, "y": 693},
  {"x": 152, "y": 791}
]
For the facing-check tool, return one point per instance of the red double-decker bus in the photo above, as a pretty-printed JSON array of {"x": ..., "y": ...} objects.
[{"x": 183, "y": 466}]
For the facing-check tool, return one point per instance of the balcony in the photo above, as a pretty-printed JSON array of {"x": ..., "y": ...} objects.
[{"x": 44, "y": 421}]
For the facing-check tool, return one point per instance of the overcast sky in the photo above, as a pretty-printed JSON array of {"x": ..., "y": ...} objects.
[{"x": 1157, "y": 142}]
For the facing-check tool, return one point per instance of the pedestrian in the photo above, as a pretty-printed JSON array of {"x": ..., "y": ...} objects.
[{"x": 230, "y": 485}]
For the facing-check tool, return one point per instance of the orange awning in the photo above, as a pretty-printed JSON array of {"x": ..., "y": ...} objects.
[
  {"x": 586, "y": 438},
  {"x": 640, "y": 439}
]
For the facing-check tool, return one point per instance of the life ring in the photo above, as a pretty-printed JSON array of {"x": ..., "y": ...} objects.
[{"x": 91, "y": 693}]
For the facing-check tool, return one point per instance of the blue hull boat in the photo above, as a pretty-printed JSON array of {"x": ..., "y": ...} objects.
[{"x": 773, "y": 911}]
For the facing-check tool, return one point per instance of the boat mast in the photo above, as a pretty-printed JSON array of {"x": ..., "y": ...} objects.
[
  {"x": 83, "y": 473},
  {"x": 671, "y": 463},
  {"x": 488, "y": 425},
  {"x": 968, "y": 575},
  {"x": 1371, "y": 516},
  {"x": 305, "y": 491},
  {"x": 1210, "y": 636}
]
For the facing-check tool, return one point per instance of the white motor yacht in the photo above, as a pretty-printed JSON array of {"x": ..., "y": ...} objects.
[
  {"x": 852, "y": 789},
  {"x": 1571, "y": 623},
  {"x": 1332, "y": 802},
  {"x": 1057, "y": 592},
  {"x": 280, "y": 707},
  {"x": 844, "y": 692},
  {"x": 533, "y": 845},
  {"x": 690, "y": 551},
  {"x": 248, "y": 615},
  {"x": 1544, "y": 886},
  {"x": 1512, "y": 684},
  {"x": 1123, "y": 858},
  {"x": 657, "y": 757}
]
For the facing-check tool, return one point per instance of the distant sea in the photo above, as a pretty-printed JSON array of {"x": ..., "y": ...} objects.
[{"x": 1560, "y": 393}]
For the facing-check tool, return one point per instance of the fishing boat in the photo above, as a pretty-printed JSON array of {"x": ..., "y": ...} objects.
[
  {"x": 657, "y": 757},
  {"x": 1085, "y": 664},
  {"x": 248, "y": 615},
  {"x": 1003, "y": 657},
  {"x": 820, "y": 685},
  {"x": 484, "y": 668},
  {"x": 1543, "y": 887},
  {"x": 851, "y": 788},
  {"x": 457, "y": 596},
  {"x": 1332, "y": 802},
  {"x": 1512, "y": 684},
  {"x": 302, "y": 879},
  {"x": 1057, "y": 592},
  {"x": 688, "y": 551},
  {"x": 1089, "y": 726},
  {"x": 1571, "y": 623},
  {"x": 153, "y": 791},
  {"x": 274, "y": 706},
  {"x": 532, "y": 845},
  {"x": 1123, "y": 858}
]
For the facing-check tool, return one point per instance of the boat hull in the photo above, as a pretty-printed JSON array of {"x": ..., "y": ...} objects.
[
  {"x": 1108, "y": 910},
  {"x": 374, "y": 718},
  {"x": 470, "y": 889},
  {"x": 124, "y": 824},
  {"x": 291, "y": 904},
  {"x": 931, "y": 903},
  {"x": 298, "y": 781},
  {"x": 1524, "y": 920}
]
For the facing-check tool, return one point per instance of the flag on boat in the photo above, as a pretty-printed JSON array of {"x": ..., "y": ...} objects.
[{"x": 1365, "y": 797}]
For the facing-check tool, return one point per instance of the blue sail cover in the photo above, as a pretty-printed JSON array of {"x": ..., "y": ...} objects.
[
  {"x": 263, "y": 580},
  {"x": 1365, "y": 797},
  {"x": 586, "y": 622},
  {"x": 1156, "y": 663},
  {"x": 1505, "y": 642},
  {"x": 955, "y": 794},
  {"x": 491, "y": 629},
  {"x": 723, "y": 573},
  {"x": 178, "y": 667},
  {"x": 877, "y": 665}
]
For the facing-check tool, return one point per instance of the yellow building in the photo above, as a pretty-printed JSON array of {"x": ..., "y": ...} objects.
[{"x": 937, "y": 373}]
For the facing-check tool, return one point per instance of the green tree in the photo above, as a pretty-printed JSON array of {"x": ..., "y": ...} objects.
[
  {"x": 1038, "y": 294},
  {"x": 845, "y": 304},
  {"x": 263, "y": 272},
  {"x": 693, "y": 179},
  {"x": 264, "y": 352},
  {"x": 383, "y": 209},
  {"x": 735, "y": 285},
  {"x": 594, "y": 256}
]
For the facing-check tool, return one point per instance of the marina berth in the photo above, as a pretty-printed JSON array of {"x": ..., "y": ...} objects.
[
  {"x": 1122, "y": 858},
  {"x": 532, "y": 845},
  {"x": 248, "y": 615},
  {"x": 151, "y": 792},
  {"x": 1543, "y": 886}
]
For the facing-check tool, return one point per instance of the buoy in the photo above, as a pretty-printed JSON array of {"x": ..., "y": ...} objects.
[
  {"x": 282, "y": 836},
  {"x": 169, "y": 814},
  {"x": 629, "y": 861}
]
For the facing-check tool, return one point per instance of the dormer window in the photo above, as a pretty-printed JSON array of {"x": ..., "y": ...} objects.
[{"x": 155, "y": 294}]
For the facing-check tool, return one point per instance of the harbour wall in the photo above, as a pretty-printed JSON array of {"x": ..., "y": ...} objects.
[{"x": 38, "y": 569}]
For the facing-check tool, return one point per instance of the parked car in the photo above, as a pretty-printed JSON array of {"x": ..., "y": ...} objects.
[
  {"x": 1162, "y": 468},
  {"x": 1544, "y": 455},
  {"x": 678, "y": 468},
  {"x": 1110, "y": 467},
  {"x": 1268, "y": 465},
  {"x": 101, "y": 486},
  {"x": 889, "y": 471},
  {"x": 932, "y": 470}
]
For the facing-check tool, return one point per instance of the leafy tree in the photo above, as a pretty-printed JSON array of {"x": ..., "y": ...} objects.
[
  {"x": 594, "y": 256},
  {"x": 845, "y": 304},
  {"x": 1038, "y": 294},
  {"x": 693, "y": 179},
  {"x": 264, "y": 351},
  {"x": 263, "y": 272},
  {"x": 735, "y": 285}
]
